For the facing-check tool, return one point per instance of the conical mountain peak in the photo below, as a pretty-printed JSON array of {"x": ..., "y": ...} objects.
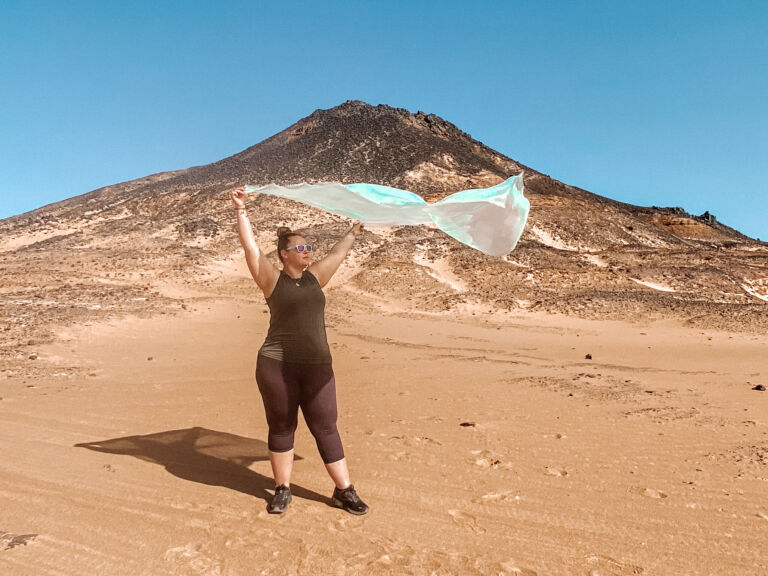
[{"x": 581, "y": 253}]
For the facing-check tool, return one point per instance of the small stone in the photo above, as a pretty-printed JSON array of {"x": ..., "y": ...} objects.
[
  {"x": 468, "y": 424},
  {"x": 588, "y": 357},
  {"x": 759, "y": 387},
  {"x": 33, "y": 356},
  {"x": 386, "y": 560},
  {"x": 150, "y": 358}
]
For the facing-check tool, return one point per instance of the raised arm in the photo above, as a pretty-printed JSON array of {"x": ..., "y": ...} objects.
[
  {"x": 325, "y": 269},
  {"x": 262, "y": 270}
]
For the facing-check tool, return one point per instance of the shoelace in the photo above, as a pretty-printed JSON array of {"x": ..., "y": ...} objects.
[{"x": 350, "y": 494}]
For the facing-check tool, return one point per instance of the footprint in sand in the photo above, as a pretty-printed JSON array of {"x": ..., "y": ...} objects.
[
  {"x": 467, "y": 521},
  {"x": 490, "y": 460},
  {"x": 346, "y": 522},
  {"x": 190, "y": 559},
  {"x": 414, "y": 441},
  {"x": 398, "y": 456},
  {"x": 555, "y": 471},
  {"x": 506, "y": 496},
  {"x": 653, "y": 493},
  {"x": 605, "y": 566},
  {"x": 510, "y": 567}
]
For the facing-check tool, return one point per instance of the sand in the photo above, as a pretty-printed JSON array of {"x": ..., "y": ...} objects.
[{"x": 485, "y": 443}]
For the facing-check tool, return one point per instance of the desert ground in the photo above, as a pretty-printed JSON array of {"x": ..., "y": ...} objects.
[{"x": 485, "y": 442}]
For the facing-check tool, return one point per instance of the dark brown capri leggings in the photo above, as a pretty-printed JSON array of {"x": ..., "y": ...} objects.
[{"x": 285, "y": 386}]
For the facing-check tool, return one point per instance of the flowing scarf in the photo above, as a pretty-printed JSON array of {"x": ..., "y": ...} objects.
[{"x": 488, "y": 219}]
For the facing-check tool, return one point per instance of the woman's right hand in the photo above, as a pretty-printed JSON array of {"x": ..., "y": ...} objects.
[{"x": 238, "y": 195}]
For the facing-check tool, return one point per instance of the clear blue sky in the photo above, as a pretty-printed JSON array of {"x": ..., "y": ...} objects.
[{"x": 652, "y": 102}]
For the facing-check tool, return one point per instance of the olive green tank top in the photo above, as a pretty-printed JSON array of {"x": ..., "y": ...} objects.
[{"x": 297, "y": 321}]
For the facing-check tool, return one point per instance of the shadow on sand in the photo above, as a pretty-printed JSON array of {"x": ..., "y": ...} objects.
[{"x": 204, "y": 456}]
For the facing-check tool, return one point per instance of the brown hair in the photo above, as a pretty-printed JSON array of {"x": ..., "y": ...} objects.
[{"x": 284, "y": 236}]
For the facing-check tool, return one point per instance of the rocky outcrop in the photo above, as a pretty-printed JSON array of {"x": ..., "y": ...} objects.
[{"x": 109, "y": 251}]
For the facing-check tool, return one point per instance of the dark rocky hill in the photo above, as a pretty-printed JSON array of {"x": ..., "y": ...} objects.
[{"x": 119, "y": 248}]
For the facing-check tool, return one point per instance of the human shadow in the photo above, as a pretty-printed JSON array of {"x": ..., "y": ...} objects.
[{"x": 205, "y": 456}]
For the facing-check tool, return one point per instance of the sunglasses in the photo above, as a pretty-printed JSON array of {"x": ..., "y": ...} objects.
[{"x": 301, "y": 247}]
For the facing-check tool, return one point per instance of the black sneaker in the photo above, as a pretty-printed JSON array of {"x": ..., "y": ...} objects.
[
  {"x": 349, "y": 501},
  {"x": 280, "y": 501}
]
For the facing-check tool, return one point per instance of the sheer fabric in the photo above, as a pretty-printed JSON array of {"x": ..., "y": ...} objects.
[{"x": 488, "y": 219}]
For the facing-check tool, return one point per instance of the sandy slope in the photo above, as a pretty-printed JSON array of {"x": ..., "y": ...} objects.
[{"x": 484, "y": 444}]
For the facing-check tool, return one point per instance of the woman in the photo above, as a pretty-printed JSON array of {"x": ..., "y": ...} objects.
[{"x": 293, "y": 368}]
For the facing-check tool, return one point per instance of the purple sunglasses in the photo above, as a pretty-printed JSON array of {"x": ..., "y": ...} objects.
[{"x": 301, "y": 247}]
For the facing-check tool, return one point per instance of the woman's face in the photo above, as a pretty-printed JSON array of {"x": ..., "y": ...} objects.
[{"x": 300, "y": 259}]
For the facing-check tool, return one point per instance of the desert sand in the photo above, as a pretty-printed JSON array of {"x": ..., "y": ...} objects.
[
  {"x": 583, "y": 405},
  {"x": 485, "y": 442}
]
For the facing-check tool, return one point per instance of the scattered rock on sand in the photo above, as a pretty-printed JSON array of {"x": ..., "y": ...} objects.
[
  {"x": 8, "y": 540},
  {"x": 759, "y": 387},
  {"x": 555, "y": 471},
  {"x": 653, "y": 493}
]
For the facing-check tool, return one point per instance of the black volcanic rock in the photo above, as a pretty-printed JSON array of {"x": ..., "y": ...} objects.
[
  {"x": 356, "y": 142},
  {"x": 106, "y": 251}
]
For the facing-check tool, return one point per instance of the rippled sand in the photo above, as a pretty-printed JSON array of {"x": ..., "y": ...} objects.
[{"x": 485, "y": 443}]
